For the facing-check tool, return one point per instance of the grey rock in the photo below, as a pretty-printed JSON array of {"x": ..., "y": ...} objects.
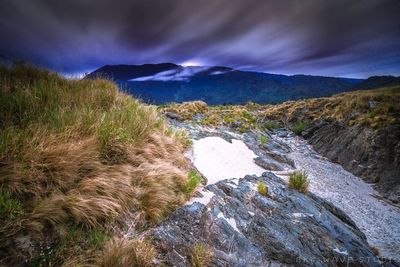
[
  {"x": 268, "y": 164},
  {"x": 372, "y": 155},
  {"x": 244, "y": 228},
  {"x": 281, "y": 132}
]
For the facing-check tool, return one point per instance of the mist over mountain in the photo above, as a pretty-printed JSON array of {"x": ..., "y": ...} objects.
[{"x": 168, "y": 82}]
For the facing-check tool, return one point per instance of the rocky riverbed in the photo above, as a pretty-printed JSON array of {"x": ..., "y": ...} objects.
[{"x": 336, "y": 223}]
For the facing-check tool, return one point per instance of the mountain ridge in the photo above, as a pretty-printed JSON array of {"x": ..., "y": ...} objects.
[{"x": 168, "y": 82}]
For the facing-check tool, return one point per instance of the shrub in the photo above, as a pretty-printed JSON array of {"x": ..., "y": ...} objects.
[
  {"x": 299, "y": 127},
  {"x": 298, "y": 181},
  {"x": 193, "y": 180},
  {"x": 263, "y": 139},
  {"x": 262, "y": 189},
  {"x": 271, "y": 125},
  {"x": 201, "y": 255}
]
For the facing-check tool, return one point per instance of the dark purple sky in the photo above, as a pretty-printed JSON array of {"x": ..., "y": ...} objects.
[{"x": 325, "y": 37}]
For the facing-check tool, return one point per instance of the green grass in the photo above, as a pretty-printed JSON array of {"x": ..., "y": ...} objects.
[
  {"x": 193, "y": 181},
  {"x": 298, "y": 181},
  {"x": 262, "y": 189},
  {"x": 74, "y": 242},
  {"x": 299, "y": 127},
  {"x": 263, "y": 139},
  {"x": 271, "y": 125},
  {"x": 201, "y": 255},
  {"x": 10, "y": 208}
]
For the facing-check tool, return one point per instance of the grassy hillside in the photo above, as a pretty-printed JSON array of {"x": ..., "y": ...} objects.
[
  {"x": 372, "y": 108},
  {"x": 80, "y": 164}
]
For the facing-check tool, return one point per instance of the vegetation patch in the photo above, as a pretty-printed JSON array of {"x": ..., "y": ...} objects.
[
  {"x": 10, "y": 208},
  {"x": 298, "y": 181},
  {"x": 262, "y": 189},
  {"x": 186, "y": 110},
  {"x": 193, "y": 181},
  {"x": 201, "y": 255},
  {"x": 271, "y": 125},
  {"x": 81, "y": 153},
  {"x": 375, "y": 109},
  {"x": 299, "y": 127},
  {"x": 122, "y": 251},
  {"x": 75, "y": 241},
  {"x": 263, "y": 139}
]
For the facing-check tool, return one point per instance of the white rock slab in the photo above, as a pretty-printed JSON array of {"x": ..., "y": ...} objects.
[{"x": 218, "y": 159}]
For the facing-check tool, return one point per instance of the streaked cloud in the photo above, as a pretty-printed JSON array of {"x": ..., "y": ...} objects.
[{"x": 342, "y": 37}]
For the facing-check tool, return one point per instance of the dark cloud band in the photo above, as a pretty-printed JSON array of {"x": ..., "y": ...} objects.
[{"x": 341, "y": 37}]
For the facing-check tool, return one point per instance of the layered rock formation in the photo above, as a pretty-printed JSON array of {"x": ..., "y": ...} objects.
[
  {"x": 373, "y": 155},
  {"x": 243, "y": 228}
]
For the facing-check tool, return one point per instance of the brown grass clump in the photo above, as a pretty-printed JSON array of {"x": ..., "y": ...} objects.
[
  {"x": 123, "y": 252},
  {"x": 81, "y": 152},
  {"x": 201, "y": 255},
  {"x": 187, "y": 109}
]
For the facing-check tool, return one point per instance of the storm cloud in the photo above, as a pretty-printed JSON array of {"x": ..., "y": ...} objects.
[{"x": 339, "y": 37}]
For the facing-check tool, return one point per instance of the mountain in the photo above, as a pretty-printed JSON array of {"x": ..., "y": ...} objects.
[
  {"x": 167, "y": 82},
  {"x": 378, "y": 81}
]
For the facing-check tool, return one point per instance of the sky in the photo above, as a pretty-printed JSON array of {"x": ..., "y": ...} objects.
[{"x": 349, "y": 38}]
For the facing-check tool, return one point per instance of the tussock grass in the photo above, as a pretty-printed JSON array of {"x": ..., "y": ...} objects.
[
  {"x": 298, "y": 181},
  {"x": 201, "y": 255},
  {"x": 238, "y": 117},
  {"x": 373, "y": 108},
  {"x": 124, "y": 252},
  {"x": 187, "y": 109},
  {"x": 81, "y": 152}
]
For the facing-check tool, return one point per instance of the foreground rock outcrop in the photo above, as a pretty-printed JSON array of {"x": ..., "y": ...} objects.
[{"x": 243, "y": 228}]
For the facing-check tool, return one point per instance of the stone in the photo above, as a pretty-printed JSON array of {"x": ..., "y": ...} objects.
[{"x": 243, "y": 228}]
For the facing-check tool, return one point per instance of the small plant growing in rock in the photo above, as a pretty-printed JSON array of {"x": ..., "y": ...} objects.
[
  {"x": 298, "y": 181},
  {"x": 299, "y": 127},
  {"x": 375, "y": 250},
  {"x": 193, "y": 180},
  {"x": 271, "y": 125},
  {"x": 262, "y": 189},
  {"x": 201, "y": 255},
  {"x": 263, "y": 139}
]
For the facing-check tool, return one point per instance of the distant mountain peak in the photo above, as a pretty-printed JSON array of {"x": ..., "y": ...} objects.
[{"x": 169, "y": 82}]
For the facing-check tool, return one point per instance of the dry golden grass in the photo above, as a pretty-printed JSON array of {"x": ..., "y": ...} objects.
[
  {"x": 201, "y": 255},
  {"x": 373, "y": 108},
  {"x": 240, "y": 116},
  {"x": 123, "y": 252},
  {"x": 187, "y": 109},
  {"x": 82, "y": 152}
]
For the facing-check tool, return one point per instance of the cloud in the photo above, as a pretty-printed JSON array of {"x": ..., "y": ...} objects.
[
  {"x": 338, "y": 37},
  {"x": 179, "y": 74}
]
